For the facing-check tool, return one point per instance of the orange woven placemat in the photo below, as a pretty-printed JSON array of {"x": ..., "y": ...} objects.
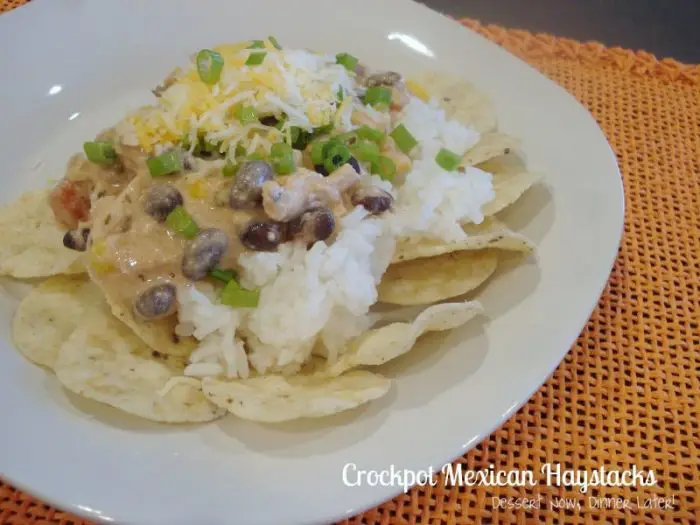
[{"x": 627, "y": 393}]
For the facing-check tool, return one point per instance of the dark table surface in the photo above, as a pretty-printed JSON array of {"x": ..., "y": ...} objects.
[{"x": 666, "y": 28}]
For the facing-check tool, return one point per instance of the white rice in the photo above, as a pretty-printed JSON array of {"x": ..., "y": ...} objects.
[{"x": 323, "y": 295}]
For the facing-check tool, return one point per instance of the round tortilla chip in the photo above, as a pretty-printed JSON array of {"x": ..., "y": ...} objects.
[
  {"x": 490, "y": 145},
  {"x": 381, "y": 345},
  {"x": 104, "y": 361},
  {"x": 426, "y": 281},
  {"x": 50, "y": 313},
  {"x": 510, "y": 179},
  {"x": 489, "y": 234},
  {"x": 158, "y": 334},
  {"x": 31, "y": 241},
  {"x": 273, "y": 398},
  {"x": 460, "y": 99}
]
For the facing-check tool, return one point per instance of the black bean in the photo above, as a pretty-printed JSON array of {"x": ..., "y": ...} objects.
[
  {"x": 373, "y": 199},
  {"x": 270, "y": 120},
  {"x": 320, "y": 168},
  {"x": 262, "y": 236},
  {"x": 203, "y": 253},
  {"x": 355, "y": 165},
  {"x": 76, "y": 239},
  {"x": 246, "y": 191},
  {"x": 156, "y": 302},
  {"x": 161, "y": 199},
  {"x": 316, "y": 224}
]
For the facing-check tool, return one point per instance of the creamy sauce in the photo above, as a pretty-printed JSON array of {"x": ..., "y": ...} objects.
[{"x": 135, "y": 251}]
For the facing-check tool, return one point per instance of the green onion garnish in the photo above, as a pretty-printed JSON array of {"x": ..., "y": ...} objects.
[
  {"x": 384, "y": 167},
  {"x": 246, "y": 114},
  {"x": 255, "y": 156},
  {"x": 165, "y": 164},
  {"x": 282, "y": 157},
  {"x": 209, "y": 66},
  {"x": 337, "y": 155},
  {"x": 255, "y": 59},
  {"x": 236, "y": 297},
  {"x": 346, "y": 60},
  {"x": 366, "y": 151},
  {"x": 447, "y": 160},
  {"x": 349, "y": 138},
  {"x": 295, "y": 133},
  {"x": 365, "y": 132},
  {"x": 230, "y": 169},
  {"x": 317, "y": 156},
  {"x": 223, "y": 275},
  {"x": 182, "y": 223},
  {"x": 274, "y": 42},
  {"x": 257, "y": 44},
  {"x": 341, "y": 94},
  {"x": 100, "y": 152},
  {"x": 378, "y": 96},
  {"x": 403, "y": 138}
]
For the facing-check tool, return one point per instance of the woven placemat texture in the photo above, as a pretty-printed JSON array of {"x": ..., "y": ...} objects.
[{"x": 627, "y": 393}]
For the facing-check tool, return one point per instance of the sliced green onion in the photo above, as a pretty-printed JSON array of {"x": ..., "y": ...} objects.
[
  {"x": 403, "y": 138},
  {"x": 341, "y": 94},
  {"x": 447, "y": 160},
  {"x": 246, "y": 114},
  {"x": 349, "y": 138},
  {"x": 236, "y": 297},
  {"x": 378, "y": 96},
  {"x": 223, "y": 275},
  {"x": 274, "y": 42},
  {"x": 384, "y": 167},
  {"x": 282, "y": 157},
  {"x": 230, "y": 169},
  {"x": 337, "y": 155},
  {"x": 165, "y": 164},
  {"x": 209, "y": 147},
  {"x": 240, "y": 150},
  {"x": 365, "y": 132},
  {"x": 322, "y": 130},
  {"x": 209, "y": 66},
  {"x": 182, "y": 223},
  {"x": 257, "y": 44},
  {"x": 255, "y": 156},
  {"x": 100, "y": 152},
  {"x": 366, "y": 151},
  {"x": 295, "y": 133},
  {"x": 346, "y": 60},
  {"x": 255, "y": 59},
  {"x": 317, "y": 156}
]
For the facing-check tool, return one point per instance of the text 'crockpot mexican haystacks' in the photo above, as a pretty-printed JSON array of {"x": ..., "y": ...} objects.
[{"x": 225, "y": 249}]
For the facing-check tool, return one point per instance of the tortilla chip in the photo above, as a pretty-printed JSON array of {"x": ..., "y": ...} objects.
[
  {"x": 490, "y": 145},
  {"x": 103, "y": 360},
  {"x": 31, "y": 241},
  {"x": 274, "y": 398},
  {"x": 426, "y": 281},
  {"x": 489, "y": 234},
  {"x": 381, "y": 345},
  {"x": 460, "y": 99},
  {"x": 510, "y": 181},
  {"x": 49, "y": 314},
  {"x": 158, "y": 334}
]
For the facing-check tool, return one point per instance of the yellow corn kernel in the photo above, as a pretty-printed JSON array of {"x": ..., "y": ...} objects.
[
  {"x": 417, "y": 90},
  {"x": 98, "y": 250},
  {"x": 197, "y": 189}
]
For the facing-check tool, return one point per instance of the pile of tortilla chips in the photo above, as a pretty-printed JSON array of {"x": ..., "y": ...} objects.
[{"x": 66, "y": 325}]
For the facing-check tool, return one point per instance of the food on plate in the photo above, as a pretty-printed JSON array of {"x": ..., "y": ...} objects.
[{"x": 225, "y": 249}]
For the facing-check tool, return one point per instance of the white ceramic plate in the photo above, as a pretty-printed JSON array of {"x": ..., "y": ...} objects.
[{"x": 73, "y": 67}]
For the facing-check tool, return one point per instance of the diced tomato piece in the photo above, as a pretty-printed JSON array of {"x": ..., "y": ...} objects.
[{"x": 70, "y": 202}]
